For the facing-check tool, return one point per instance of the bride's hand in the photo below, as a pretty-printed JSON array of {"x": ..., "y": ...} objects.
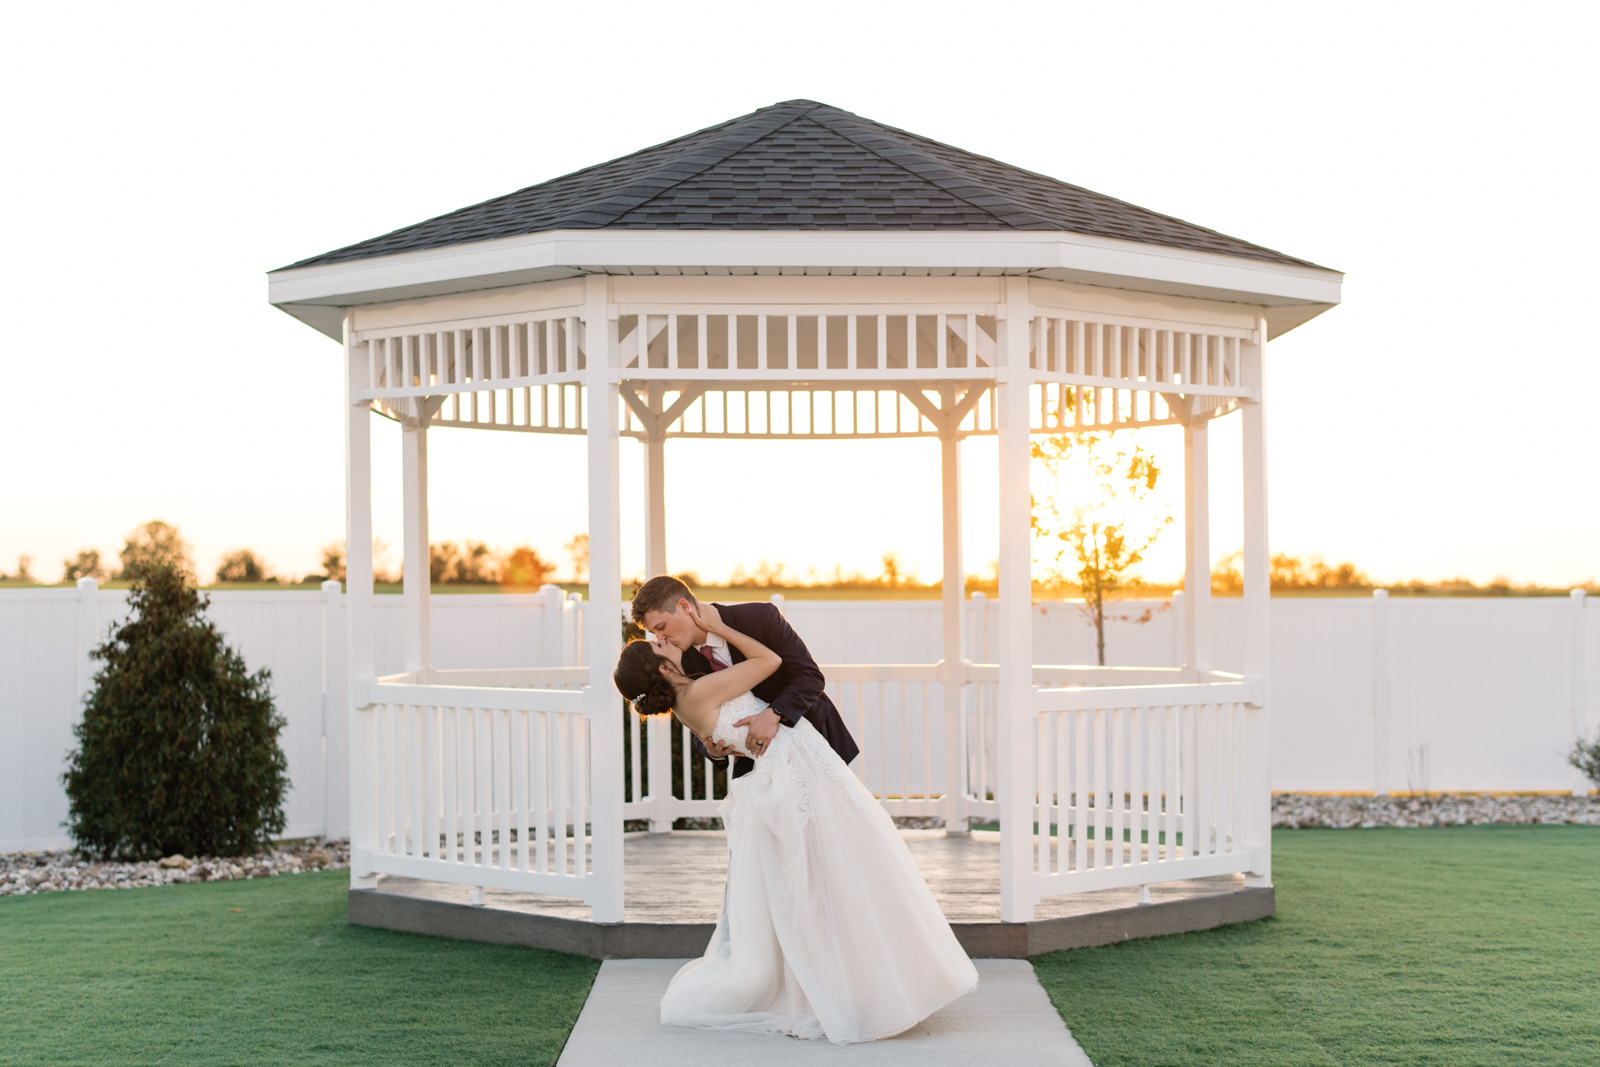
[{"x": 706, "y": 617}]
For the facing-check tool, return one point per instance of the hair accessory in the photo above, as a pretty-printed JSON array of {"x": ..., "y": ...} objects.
[{"x": 640, "y": 698}]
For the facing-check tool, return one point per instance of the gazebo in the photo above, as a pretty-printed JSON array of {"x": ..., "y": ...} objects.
[{"x": 804, "y": 273}]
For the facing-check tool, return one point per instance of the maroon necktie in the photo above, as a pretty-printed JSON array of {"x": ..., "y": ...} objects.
[{"x": 705, "y": 650}]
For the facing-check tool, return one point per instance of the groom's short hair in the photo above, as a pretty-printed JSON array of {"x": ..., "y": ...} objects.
[{"x": 660, "y": 593}]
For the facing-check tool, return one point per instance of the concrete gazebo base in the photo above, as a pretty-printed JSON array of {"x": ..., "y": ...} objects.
[{"x": 674, "y": 890}]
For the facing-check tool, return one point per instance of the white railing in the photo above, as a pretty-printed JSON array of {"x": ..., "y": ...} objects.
[
  {"x": 472, "y": 785},
  {"x": 895, "y": 712},
  {"x": 1453, "y": 694},
  {"x": 785, "y": 414},
  {"x": 695, "y": 794},
  {"x": 1139, "y": 784},
  {"x": 517, "y": 372},
  {"x": 1121, "y": 356},
  {"x": 917, "y": 342},
  {"x": 787, "y": 372},
  {"x": 1122, "y": 373}
]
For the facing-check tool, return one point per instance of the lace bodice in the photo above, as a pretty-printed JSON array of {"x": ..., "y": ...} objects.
[{"x": 742, "y": 706}]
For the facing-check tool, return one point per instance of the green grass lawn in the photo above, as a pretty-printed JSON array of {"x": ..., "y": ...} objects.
[
  {"x": 1456, "y": 946},
  {"x": 262, "y": 972},
  {"x": 1460, "y": 946}
]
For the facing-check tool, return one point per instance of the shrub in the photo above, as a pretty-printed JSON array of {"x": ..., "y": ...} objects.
[
  {"x": 522, "y": 566},
  {"x": 178, "y": 747},
  {"x": 1585, "y": 756},
  {"x": 87, "y": 565},
  {"x": 473, "y": 563},
  {"x": 333, "y": 561},
  {"x": 243, "y": 566},
  {"x": 155, "y": 544}
]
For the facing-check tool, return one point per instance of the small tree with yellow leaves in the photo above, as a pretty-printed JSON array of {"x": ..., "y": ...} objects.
[{"x": 1097, "y": 541}]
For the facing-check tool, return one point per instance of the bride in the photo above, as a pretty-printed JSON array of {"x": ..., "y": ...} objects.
[{"x": 827, "y": 928}]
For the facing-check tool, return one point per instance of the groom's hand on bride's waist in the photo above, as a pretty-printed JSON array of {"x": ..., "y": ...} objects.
[
  {"x": 716, "y": 749},
  {"x": 763, "y": 728}
]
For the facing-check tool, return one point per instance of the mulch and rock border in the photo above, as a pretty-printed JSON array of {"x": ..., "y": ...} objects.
[
  {"x": 43, "y": 872},
  {"x": 63, "y": 869},
  {"x": 1307, "y": 810}
]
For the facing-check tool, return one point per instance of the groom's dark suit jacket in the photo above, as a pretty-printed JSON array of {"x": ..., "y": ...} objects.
[{"x": 795, "y": 690}]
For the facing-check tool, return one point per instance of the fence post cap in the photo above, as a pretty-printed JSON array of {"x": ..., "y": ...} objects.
[
  {"x": 1380, "y": 594},
  {"x": 332, "y": 587},
  {"x": 1578, "y": 594},
  {"x": 94, "y": 583}
]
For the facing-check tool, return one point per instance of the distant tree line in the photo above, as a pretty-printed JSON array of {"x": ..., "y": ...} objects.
[
  {"x": 158, "y": 544},
  {"x": 153, "y": 545},
  {"x": 1310, "y": 573},
  {"x": 1288, "y": 573},
  {"x": 768, "y": 575}
]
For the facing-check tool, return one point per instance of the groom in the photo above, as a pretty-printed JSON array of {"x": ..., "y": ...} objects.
[{"x": 794, "y": 691}]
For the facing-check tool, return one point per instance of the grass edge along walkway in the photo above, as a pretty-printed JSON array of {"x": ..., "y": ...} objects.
[
  {"x": 1457, "y": 945},
  {"x": 266, "y": 971}
]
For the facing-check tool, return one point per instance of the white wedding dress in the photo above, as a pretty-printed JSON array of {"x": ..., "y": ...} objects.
[{"x": 827, "y": 928}]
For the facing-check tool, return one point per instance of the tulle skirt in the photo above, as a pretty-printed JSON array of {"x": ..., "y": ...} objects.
[{"x": 827, "y": 928}]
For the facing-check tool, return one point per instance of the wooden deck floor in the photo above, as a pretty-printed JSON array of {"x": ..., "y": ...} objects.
[{"x": 677, "y": 878}]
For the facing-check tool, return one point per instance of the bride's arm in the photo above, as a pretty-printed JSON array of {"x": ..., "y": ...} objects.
[{"x": 712, "y": 690}]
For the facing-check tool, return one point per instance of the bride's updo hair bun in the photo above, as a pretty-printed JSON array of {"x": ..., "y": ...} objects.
[{"x": 638, "y": 678}]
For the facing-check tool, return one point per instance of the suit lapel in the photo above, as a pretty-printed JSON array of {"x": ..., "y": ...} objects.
[
  {"x": 734, "y": 655},
  {"x": 694, "y": 662}
]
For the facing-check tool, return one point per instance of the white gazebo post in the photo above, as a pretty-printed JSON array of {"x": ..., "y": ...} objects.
[
  {"x": 1014, "y": 695},
  {"x": 1578, "y": 685},
  {"x": 603, "y": 625},
  {"x": 951, "y": 586},
  {"x": 658, "y": 728},
  {"x": 361, "y": 667},
  {"x": 655, "y": 494},
  {"x": 416, "y": 573},
  {"x": 1257, "y": 798},
  {"x": 1197, "y": 540}
]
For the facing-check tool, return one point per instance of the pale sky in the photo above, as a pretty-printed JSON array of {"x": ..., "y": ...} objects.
[{"x": 165, "y": 156}]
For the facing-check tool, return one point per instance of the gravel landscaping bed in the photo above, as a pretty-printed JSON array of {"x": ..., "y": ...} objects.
[
  {"x": 43, "y": 872},
  {"x": 1300, "y": 810}
]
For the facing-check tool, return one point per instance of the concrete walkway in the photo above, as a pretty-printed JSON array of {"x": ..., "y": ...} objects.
[{"x": 1008, "y": 1020}]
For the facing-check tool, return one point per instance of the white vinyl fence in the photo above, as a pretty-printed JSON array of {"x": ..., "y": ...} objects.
[{"x": 1367, "y": 694}]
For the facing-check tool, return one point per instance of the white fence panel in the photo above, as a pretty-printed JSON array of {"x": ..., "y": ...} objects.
[
  {"x": 467, "y": 630},
  {"x": 38, "y": 707},
  {"x": 1321, "y": 703},
  {"x": 1490, "y": 689},
  {"x": 285, "y": 635},
  {"x": 1480, "y": 694},
  {"x": 1064, "y": 633},
  {"x": 41, "y": 656},
  {"x": 899, "y": 725},
  {"x": 1586, "y": 678},
  {"x": 867, "y": 631}
]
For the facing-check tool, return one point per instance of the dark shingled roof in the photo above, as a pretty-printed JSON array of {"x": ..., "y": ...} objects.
[{"x": 801, "y": 165}]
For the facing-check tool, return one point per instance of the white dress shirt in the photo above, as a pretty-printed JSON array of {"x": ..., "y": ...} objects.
[{"x": 718, "y": 644}]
